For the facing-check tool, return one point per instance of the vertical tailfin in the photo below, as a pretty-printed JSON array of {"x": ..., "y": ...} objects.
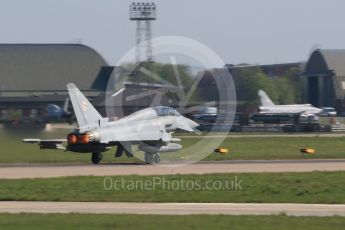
[
  {"x": 84, "y": 111},
  {"x": 265, "y": 99}
]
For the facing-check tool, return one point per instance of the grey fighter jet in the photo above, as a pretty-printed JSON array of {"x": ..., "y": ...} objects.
[{"x": 149, "y": 128}]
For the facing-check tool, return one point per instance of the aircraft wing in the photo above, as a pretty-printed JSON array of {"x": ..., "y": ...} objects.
[{"x": 47, "y": 144}]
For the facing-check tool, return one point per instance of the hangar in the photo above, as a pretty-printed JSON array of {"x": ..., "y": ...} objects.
[
  {"x": 32, "y": 75},
  {"x": 35, "y": 75},
  {"x": 325, "y": 79}
]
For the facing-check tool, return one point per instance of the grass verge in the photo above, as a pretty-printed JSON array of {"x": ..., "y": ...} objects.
[
  {"x": 100, "y": 221},
  {"x": 314, "y": 187}
]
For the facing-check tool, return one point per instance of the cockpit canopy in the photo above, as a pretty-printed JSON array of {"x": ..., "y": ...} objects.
[{"x": 165, "y": 111}]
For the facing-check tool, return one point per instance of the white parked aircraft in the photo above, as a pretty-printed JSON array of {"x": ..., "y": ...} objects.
[{"x": 267, "y": 106}]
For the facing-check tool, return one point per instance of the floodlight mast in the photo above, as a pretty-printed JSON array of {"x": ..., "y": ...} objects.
[{"x": 143, "y": 13}]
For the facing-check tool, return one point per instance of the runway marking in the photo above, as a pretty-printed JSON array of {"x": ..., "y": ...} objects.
[
  {"x": 59, "y": 170},
  {"x": 173, "y": 208}
]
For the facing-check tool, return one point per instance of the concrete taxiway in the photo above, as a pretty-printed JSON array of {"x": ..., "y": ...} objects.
[
  {"x": 254, "y": 166},
  {"x": 172, "y": 208}
]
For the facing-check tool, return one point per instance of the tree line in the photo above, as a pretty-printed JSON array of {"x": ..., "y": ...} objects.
[{"x": 284, "y": 89}]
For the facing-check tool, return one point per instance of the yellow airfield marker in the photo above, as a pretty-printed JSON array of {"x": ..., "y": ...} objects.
[
  {"x": 222, "y": 151},
  {"x": 308, "y": 151}
]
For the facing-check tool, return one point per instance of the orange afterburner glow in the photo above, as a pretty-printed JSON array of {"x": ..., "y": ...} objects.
[
  {"x": 84, "y": 138},
  {"x": 72, "y": 138}
]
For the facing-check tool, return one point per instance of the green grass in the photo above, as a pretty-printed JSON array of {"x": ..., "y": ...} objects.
[
  {"x": 14, "y": 151},
  {"x": 281, "y": 148},
  {"x": 128, "y": 222},
  {"x": 315, "y": 187}
]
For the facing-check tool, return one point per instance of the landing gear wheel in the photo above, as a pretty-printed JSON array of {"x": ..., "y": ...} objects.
[
  {"x": 156, "y": 158},
  {"x": 96, "y": 158},
  {"x": 152, "y": 158},
  {"x": 148, "y": 158}
]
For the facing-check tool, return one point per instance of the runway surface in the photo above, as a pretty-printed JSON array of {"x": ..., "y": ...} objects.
[
  {"x": 255, "y": 166},
  {"x": 172, "y": 208}
]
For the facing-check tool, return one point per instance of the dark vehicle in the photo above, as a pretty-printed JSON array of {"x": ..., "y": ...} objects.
[{"x": 276, "y": 118}]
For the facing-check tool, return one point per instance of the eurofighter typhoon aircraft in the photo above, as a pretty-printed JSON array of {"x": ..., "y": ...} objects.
[
  {"x": 267, "y": 106},
  {"x": 149, "y": 128}
]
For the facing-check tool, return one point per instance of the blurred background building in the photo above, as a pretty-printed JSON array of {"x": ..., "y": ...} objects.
[
  {"x": 35, "y": 75},
  {"x": 325, "y": 79}
]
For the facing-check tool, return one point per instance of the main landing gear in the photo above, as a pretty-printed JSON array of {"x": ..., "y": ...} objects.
[
  {"x": 152, "y": 158},
  {"x": 96, "y": 157}
]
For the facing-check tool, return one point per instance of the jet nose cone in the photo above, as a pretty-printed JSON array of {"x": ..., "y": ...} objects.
[
  {"x": 186, "y": 124},
  {"x": 192, "y": 124}
]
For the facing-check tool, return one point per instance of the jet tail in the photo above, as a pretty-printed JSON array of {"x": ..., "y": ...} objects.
[
  {"x": 85, "y": 113},
  {"x": 265, "y": 99}
]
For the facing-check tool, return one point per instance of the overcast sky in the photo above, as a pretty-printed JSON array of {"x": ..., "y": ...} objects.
[{"x": 257, "y": 32}]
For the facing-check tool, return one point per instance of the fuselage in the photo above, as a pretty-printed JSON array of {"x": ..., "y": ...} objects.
[{"x": 302, "y": 108}]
